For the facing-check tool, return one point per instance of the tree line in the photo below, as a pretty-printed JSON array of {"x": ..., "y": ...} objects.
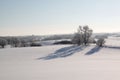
[
  {"x": 83, "y": 36},
  {"x": 17, "y": 42}
]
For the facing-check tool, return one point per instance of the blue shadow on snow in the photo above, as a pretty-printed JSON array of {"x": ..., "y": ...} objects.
[
  {"x": 63, "y": 52},
  {"x": 93, "y": 50}
]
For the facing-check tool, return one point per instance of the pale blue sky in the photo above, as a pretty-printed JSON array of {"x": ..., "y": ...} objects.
[{"x": 42, "y": 17}]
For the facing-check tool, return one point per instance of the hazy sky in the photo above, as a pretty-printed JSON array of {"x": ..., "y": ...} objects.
[{"x": 42, "y": 17}]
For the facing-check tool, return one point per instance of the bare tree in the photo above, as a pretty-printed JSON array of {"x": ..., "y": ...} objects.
[
  {"x": 77, "y": 39},
  {"x": 87, "y": 32},
  {"x": 83, "y": 35},
  {"x": 23, "y": 43},
  {"x": 15, "y": 42},
  {"x": 3, "y": 42}
]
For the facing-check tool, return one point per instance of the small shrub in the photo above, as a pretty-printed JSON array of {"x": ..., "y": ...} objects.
[{"x": 100, "y": 42}]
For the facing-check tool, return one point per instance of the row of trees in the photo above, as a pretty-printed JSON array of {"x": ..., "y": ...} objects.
[
  {"x": 16, "y": 42},
  {"x": 83, "y": 37}
]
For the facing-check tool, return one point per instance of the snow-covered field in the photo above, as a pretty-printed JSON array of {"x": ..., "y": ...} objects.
[{"x": 61, "y": 62}]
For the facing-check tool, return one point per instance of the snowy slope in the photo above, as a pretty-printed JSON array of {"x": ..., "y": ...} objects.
[{"x": 60, "y": 62}]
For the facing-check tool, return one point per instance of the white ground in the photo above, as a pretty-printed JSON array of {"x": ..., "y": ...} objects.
[{"x": 24, "y": 64}]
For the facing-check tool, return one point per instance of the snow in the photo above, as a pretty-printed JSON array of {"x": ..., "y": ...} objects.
[
  {"x": 113, "y": 41},
  {"x": 61, "y": 62}
]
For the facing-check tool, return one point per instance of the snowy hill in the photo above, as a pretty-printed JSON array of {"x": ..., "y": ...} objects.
[{"x": 62, "y": 62}]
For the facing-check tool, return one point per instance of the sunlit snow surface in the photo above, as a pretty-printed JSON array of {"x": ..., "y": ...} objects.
[{"x": 62, "y": 62}]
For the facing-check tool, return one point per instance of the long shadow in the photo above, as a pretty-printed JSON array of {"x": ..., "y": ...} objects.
[
  {"x": 63, "y": 52},
  {"x": 94, "y": 50}
]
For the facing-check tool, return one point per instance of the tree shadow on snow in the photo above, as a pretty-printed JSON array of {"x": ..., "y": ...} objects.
[
  {"x": 94, "y": 50},
  {"x": 63, "y": 52}
]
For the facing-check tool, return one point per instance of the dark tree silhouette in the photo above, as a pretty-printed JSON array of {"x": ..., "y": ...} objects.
[{"x": 3, "y": 42}]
